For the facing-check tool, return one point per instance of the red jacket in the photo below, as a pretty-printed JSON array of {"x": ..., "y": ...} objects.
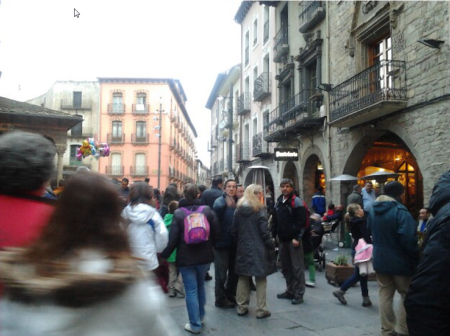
[{"x": 22, "y": 220}]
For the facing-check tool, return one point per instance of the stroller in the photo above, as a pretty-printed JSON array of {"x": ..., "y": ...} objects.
[{"x": 317, "y": 233}]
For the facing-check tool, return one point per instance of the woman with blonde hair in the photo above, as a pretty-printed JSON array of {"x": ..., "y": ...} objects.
[
  {"x": 255, "y": 255},
  {"x": 79, "y": 277},
  {"x": 356, "y": 224}
]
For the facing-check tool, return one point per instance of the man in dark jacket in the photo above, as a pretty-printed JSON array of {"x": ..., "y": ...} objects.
[
  {"x": 318, "y": 202},
  {"x": 288, "y": 223},
  {"x": 355, "y": 196},
  {"x": 395, "y": 254},
  {"x": 225, "y": 248},
  {"x": 210, "y": 195},
  {"x": 428, "y": 300}
]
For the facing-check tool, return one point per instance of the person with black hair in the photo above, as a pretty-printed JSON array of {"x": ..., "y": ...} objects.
[
  {"x": 210, "y": 195},
  {"x": 395, "y": 254},
  {"x": 288, "y": 224}
]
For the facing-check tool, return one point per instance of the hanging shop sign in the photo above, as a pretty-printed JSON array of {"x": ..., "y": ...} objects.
[{"x": 286, "y": 154}]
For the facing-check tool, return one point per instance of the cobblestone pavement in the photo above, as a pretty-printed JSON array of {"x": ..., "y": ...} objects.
[{"x": 321, "y": 313}]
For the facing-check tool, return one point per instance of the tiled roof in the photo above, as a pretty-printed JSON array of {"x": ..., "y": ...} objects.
[{"x": 9, "y": 106}]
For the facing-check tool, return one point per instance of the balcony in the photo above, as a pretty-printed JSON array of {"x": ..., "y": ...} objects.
[
  {"x": 300, "y": 113},
  {"x": 140, "y": 139},
  {"x": 118, "y": 138},
  {"x": 262, "y": 87},
  {"x": 373, "y": 93},
  {"x": 261, "y": 148},
  {"x": 273, "y": 129},
  {"x": 243, "y": 153},
  {"x": 313, "y": 13},
  {"x": 244, "y": 103},
  {"x": 281, "y": 48},
  {"x": 140, "y": 109},
  {"x": 69, "y": 104},
  {"x": 116, "y": 109},
  {"x": 139, "y": 170},
  {"x": 114, "y": 170},
  {"x": 266, "y": 32},
  {"x": 297, "y": 115}
]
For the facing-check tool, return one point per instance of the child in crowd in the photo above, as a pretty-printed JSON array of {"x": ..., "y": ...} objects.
[
  {"x": 175, "y": 285},
  {"x": 331, "y": 209}
]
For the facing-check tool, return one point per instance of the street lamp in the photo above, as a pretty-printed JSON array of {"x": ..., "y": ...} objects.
[
  {"x": 230, "y": 130},
  {"x": 159, "y": 142}
]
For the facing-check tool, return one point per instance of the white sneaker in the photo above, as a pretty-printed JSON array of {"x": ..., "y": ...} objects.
[
  {"x": 310, "y": 284},
  {"x": 187, "y": 327}
]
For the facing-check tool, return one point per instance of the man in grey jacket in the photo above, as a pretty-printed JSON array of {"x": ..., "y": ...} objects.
[{"x": 355, "y": 196}]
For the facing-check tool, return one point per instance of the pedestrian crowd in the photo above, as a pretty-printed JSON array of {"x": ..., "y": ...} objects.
[{"x": 94, "y": 256}]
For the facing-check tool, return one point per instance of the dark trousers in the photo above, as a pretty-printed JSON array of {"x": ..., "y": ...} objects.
[
  {"x": 225, "y": 278},
  {"x": 354, "y": 279},
  {"x": 293, "y": 268}
]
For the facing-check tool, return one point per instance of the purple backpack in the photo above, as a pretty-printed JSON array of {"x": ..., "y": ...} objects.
[{"x": 196, "y": 226}]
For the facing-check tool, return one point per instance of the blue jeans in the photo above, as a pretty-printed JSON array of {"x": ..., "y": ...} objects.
[
  {"x": 194, "y": 285},
  {"x": 354, "y": 279}
]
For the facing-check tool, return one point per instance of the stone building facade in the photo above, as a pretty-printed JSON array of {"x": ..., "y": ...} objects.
[
  {"x": 359, "y": 87},
  {"x": 78, "y": 98},
  {"x": 398, "y": 112}
]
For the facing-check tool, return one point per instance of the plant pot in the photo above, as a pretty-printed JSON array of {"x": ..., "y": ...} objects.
[{"x": 337, "y": 274}]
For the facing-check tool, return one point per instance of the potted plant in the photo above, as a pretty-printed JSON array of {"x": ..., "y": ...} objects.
[{"x": 339, "y": 270}]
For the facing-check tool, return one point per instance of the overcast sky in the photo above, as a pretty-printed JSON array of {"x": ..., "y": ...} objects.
[{"x": 190, "y": 40}]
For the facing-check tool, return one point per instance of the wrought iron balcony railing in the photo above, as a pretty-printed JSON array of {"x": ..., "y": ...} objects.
[
  {"x": 384, "y": 82},
  {"x": 116, "y": 108},
  {"x": 262, "y": 86},
  {"x": 261, "y": 148},
  {"x": 301, "y": 103},
  {"x": 313, "y": 13},
  {"x": 244, "y": 103},
  {"x": 114, "y": 170},
  {"x": 266, "y": 31},
  {"x": 139, "y": 170},
  {"x": 140, "y": 109},
  {"x": 116, "y": 138},
  {"x": 281, "y": 47},
  {"x": 140, "y": 138},
  {"x": 243, "y": 152},
  {"x": 70, "y": 104}
]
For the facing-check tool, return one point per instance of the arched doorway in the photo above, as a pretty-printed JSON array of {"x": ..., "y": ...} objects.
[
  {"x": 290, "y": 172},
  {"x": 389, "y": 152},
  {"x": 313, "y": 177}
]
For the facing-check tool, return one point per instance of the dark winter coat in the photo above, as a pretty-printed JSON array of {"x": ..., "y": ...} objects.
[
  {"x": 191, "y": 254},
  {"x": 255, "y": 254},
  {"x": 355, "y": 197},
  {"x": 210, "y": 195},
  {"x": 288, "y": 223},
  {"x": 358, "y": 229},
  {"x": 307, "y": 241},
  {"x": 225, "y": 217},
  {"x": 395, "y": 249},
  {"x": 427, "y": 302}
]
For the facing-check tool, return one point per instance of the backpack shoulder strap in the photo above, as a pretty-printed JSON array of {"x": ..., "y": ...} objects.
[{"x": 293, "y": 202}]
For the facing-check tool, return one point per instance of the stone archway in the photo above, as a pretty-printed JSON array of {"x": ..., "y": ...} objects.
[
  {"x": 313, "y": 175},
  {"x": 388, "y": 151},
  {"x": 290, "y": 172}
]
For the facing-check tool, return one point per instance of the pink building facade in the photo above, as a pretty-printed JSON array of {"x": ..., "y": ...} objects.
[{"x": 129, "y": 122}]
